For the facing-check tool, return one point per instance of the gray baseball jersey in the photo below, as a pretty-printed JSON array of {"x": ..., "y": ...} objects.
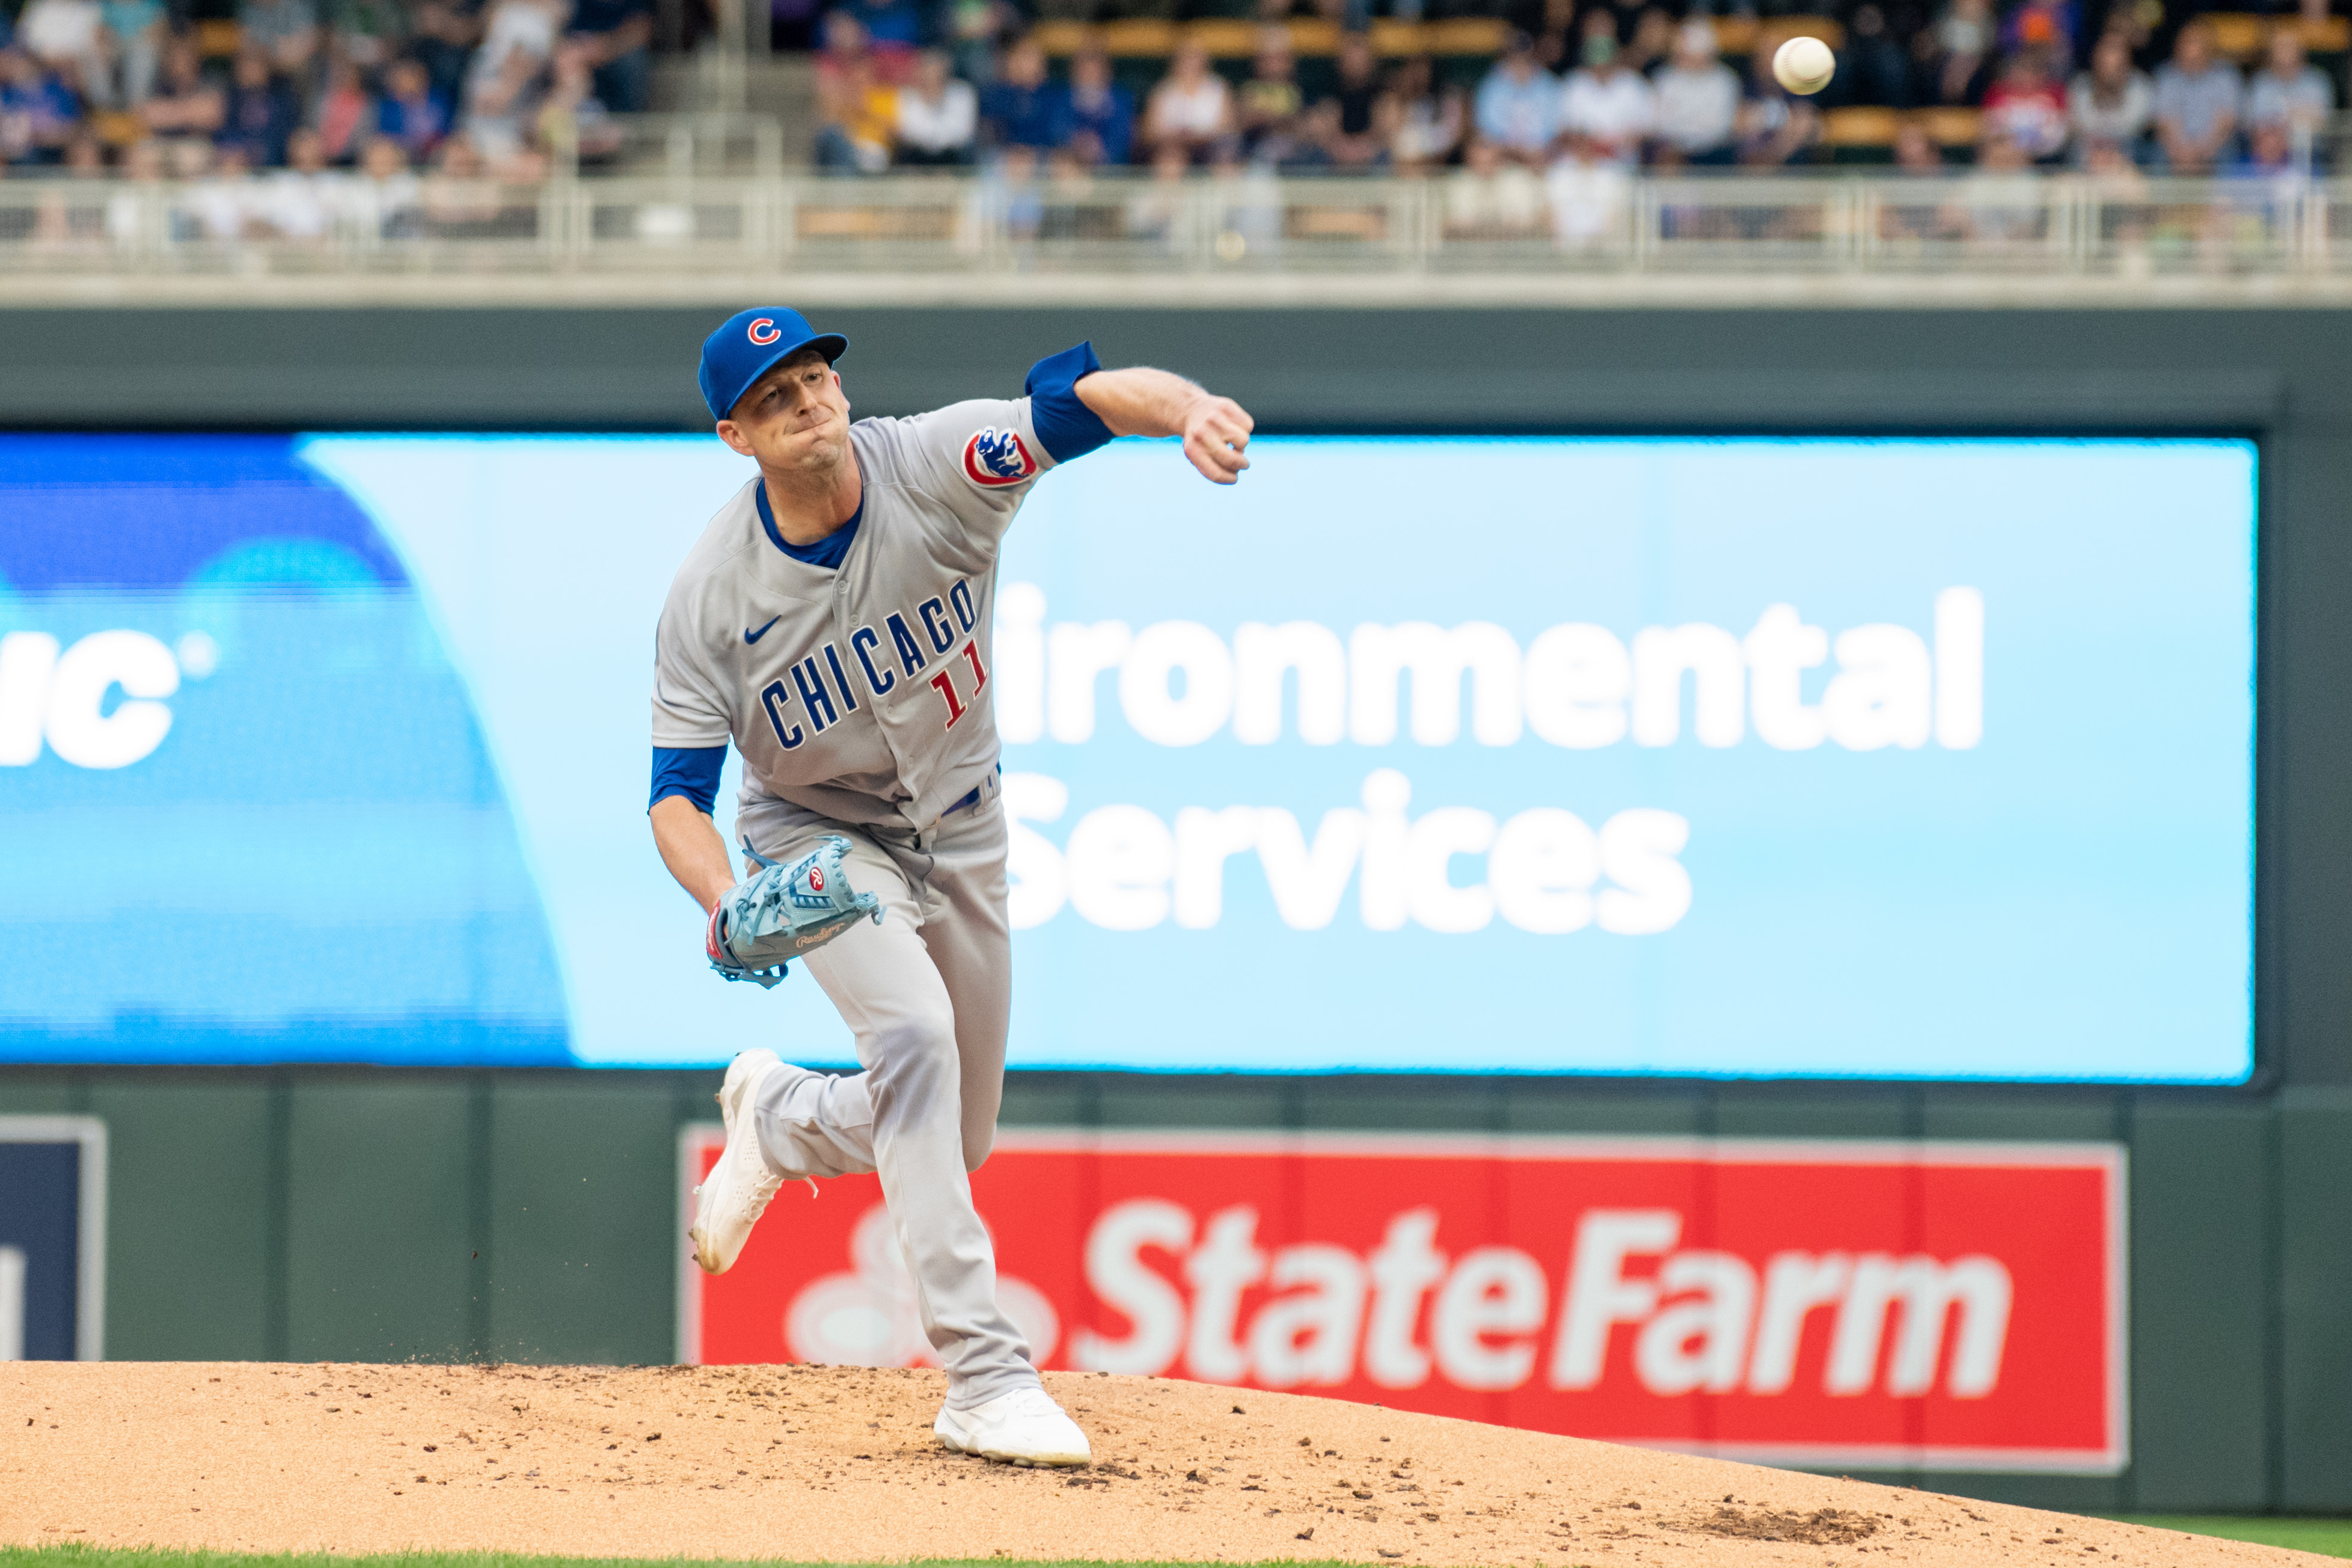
[{"x": 861, "y": 692}]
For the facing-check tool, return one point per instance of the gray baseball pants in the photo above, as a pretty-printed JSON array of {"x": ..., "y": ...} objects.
[{"x": 927, "y": 995}]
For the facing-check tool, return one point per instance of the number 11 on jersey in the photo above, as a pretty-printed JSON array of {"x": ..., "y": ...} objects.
[{"x": 944, "y": 684}]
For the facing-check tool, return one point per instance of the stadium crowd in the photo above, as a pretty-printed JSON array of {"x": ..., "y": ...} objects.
[
  {"x": 502, "y": 88},
  {"x": 496, "y": 88},
  {"x": 1590, "y": 84}
]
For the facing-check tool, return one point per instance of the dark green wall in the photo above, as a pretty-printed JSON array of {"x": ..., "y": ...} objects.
[{"x": 320, "y": 1212}]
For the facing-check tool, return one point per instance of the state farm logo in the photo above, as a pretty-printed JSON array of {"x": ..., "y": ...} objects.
[
  {"x": 1703, "y": 1319},
  {"x": 98, "y": 703},
  {"x": 1938, "y": 1306}
]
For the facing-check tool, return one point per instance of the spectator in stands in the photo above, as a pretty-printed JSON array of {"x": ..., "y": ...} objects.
[
  {"x": 1611, "y": 108},
  {"x": 1423, "y": 125},
  {"x": 1519, "y": 105},
  {"x": 1589, "y": 189},
  {"x": 2290, "y": 91},
  {"x": 69, "y": 39},
  {"x": 1304, "y": 146},
  {"x": 1697, "y": 100},
  {"x": 346, "y": 115},
  {"x": 503, "y": 104},
  {"x": 442, "y": 39},
  {"x": 135, "y": 36},
  {"x": 2270, "y": 153},
  {"x": 301, "y": 200},
  {"x": 1916, "y": 152},
  {"x": 1094, "y": 117},
  {"x": 2111, "y": 104},
  {"x": 1491, "y": 196},
  {"x": 574, "y": 127},
  {"x": 185, "y": 105},
  {"x": 385, "y": 198},
  {"x": 1356, "y": 140},
  {"x": 894, "y": 31},
  {"x": 2196, "y": 103},
  {"x": 939, "y": 116},
  {"x": 1774, "y": 126},
  {"x": 973, "y": 29},
  {"x": 2050, "y": 26},
  {"x": 528, "y": 27},
  {"x": 1956, "y": 52},
  {"x": 2026, "y": 107},
  {"x": 365, "y": 32},
  {"x": 263, "y": 111},
  {"x": 2004, "y": 200},
  {"x": 220, "y": 205},
  {"x": 285, "y": 33},
  {"x": 1927, "y": 215},
  {"x": 1190, "y": 108},
  {"x": 461, "y": 200},
  {"x": 1270, "y": 100},
  {"x": 1874, "y": 66},
  {"x": 844, "y": 43},
  {"x": 410, "y": 114},
  {"x": 1017, "y": 109},
  {"x": 1552, "y": 34},
  {"x": 617, "y": 37},
  {"x": 1156, "y": 212},
  {"x": 39, "y": 115},
  {"x": 860, "y": 115},
  {"x": 1652, "y": 43}
]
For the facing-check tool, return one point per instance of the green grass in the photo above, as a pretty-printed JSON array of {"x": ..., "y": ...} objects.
[
  {"x": 2328, "y": 1537},
  {"x": 156, "y": 1557}
]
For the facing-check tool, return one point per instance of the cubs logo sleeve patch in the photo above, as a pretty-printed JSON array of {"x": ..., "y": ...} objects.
[{"x": 996, "y": 456}]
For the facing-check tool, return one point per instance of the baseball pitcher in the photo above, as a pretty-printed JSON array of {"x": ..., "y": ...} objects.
[{"x": 834, "y": 622}]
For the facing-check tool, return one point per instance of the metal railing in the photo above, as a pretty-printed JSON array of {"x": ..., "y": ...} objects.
[{"x": 1593, "y": 221}]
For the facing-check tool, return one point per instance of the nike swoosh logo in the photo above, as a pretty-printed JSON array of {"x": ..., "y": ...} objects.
[{"x": 750, "y": 637}]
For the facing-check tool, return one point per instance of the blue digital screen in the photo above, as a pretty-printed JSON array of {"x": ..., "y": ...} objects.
[{"x": 1818, "y": 757}]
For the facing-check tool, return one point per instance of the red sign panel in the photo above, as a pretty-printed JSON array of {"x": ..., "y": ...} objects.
[{"x": 1938, "y": 1306}]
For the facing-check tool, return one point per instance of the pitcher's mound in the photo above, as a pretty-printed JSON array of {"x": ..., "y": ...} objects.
[{"x": 838, "y": 1464}]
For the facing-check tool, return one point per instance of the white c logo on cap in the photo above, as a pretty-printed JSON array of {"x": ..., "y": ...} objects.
[{"x": 764, "y": 331}]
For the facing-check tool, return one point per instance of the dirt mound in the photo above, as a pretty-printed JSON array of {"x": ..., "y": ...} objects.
[{"x": 839, "y": 1464}]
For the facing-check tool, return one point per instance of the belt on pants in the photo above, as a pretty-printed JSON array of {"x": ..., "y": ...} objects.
[{"x": 971, "y": 800}]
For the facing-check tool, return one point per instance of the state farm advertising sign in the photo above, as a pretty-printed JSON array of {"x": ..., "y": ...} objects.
[{"x": 1946, "y": 1306}]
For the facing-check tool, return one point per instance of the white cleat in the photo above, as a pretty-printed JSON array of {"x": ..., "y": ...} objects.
[
  {"x": 731, "y": 1198},
  {"x": 1023, "y": 1427}
]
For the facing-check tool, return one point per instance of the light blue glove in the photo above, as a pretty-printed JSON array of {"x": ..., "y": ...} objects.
[{"x": 785, "y": 912}]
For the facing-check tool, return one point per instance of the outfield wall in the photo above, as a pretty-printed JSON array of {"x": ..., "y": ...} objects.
[{"x": 323, "y": 1212}]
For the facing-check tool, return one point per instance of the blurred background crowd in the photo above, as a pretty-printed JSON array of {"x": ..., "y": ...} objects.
[{"x": 1497, "y": 89}]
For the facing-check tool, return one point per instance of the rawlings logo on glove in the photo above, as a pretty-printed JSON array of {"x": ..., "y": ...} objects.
[{"x": 785, "y": 912}]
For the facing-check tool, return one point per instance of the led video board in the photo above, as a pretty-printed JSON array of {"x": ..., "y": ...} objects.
[{"x": 1834, "y": 757}]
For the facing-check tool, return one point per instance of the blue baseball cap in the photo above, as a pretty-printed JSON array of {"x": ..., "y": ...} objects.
[{"x": 754, "y": 342}]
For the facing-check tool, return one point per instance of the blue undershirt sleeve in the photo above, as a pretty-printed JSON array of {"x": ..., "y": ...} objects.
[
  {"x": 1066, "y": 427},
  {"x": 690, "y": 771}
]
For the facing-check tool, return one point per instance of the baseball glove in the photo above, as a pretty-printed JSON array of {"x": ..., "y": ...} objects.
[{"x": 785, "y": 912}]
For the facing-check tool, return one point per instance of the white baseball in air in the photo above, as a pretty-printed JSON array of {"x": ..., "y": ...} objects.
[{"x": 1803, "y": 64}]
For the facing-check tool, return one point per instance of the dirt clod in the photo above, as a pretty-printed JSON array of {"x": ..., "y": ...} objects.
[{"x": 1821, "y": 1527}]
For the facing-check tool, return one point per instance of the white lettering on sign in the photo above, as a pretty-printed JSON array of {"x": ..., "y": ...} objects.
[
  {"x": 69, "y": 697},
  {"x": 1575, "y": 685},
  {"x": 1695, "y": 1318},
  {"x": 1546, "y": 869}
]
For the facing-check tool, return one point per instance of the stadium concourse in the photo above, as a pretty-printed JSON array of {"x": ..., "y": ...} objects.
[{"x": 838, "y": 1464}]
